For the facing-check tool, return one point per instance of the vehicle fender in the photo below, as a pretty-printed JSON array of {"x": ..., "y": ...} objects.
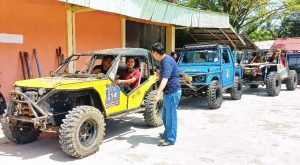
[{"x": 238, "y": 71}]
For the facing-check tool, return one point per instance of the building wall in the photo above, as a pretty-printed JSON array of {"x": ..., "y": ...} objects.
[
  {"x": 97, "y": 30},
  {"x": 43, "y": 27}
]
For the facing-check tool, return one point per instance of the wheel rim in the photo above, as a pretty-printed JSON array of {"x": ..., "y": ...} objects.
[
  {"x": 159, "y": 108},
  {"x": 88, "y": 132}
]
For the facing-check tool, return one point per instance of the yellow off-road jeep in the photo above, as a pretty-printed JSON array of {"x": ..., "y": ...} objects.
[{"x": 76, "y": 104}]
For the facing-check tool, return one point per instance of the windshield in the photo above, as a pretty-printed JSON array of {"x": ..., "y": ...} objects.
[
  {"x": 85, "y": 65},
  {"x": 244, "y": 58},
  {"x": 195, "y": 56}
]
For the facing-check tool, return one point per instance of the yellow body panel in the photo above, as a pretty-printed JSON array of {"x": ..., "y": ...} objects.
[
  {"x": 49, "y": 82},
  {"x": 134, "y": 99}
]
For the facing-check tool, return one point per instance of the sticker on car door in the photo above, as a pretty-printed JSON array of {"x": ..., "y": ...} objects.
[{"x": 112, "y": 95}]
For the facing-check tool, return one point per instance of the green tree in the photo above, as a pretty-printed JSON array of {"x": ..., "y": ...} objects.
[
  {"x": 246, "y": 16},
  {"x": 261, "y": 35},
  {"x": 290, "y": 26}
]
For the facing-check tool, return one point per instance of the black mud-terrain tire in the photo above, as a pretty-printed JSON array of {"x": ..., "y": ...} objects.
[
  {"x": 236, "y": 91},
  {"x": 214, "y": 95},
  {"x": 153, "y": 110},
  {"x": 20, "y": 133},
  {"x": 291, "y": 80},
  {"x": 82, "y": 131},
  {"x": 273, "y": 84},
  {"x": 253, "y": 86},
  {"x": 2, "y": 104}
]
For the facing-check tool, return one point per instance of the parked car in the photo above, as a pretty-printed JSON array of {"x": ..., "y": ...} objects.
[
  {"x": 294, "y": 63},
  {"x": 272, "y": 72},
  {"x": 76, "y": 102},
  {"x": 209, "y": 70}
]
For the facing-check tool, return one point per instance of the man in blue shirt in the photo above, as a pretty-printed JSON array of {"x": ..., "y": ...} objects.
[{"x": 170, "y": 87}]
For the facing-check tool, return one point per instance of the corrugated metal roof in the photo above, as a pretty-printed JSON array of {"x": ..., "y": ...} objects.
[
  {"x": 288, "y": 44},
  {"x": 212, "y": 35},
  {"x": 159, "y": 11},
  {"x": 264, "y": 45}
]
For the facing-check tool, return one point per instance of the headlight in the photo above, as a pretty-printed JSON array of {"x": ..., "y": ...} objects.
[
  {"x": 18, "y": 89},
  {"x": 41, "y": 91}
]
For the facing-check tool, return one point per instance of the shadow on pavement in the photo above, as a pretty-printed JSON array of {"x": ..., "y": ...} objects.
[
  {"x": 199, "y": 103},
  {"x": 260, "y": 91},
  {"x": 48, "y": 143},
  {"x": 193, "y": 103},
  {"x": 117, "y": 129}
]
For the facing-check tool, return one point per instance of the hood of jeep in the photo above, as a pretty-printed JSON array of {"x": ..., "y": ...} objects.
[
  {"x": 192, "y": 69},
  {"x": 49, "y": 82}
]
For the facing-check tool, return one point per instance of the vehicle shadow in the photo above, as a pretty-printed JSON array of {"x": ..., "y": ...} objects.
[
  {"x": 260, "y": 91},
  {"x": 48, "y": 143},
  {"x": 119, "y": 129},
  {"x": 193, "y": 103},
  {"x": 122, "y": 126},
  {"x": 199, "y": 103}
]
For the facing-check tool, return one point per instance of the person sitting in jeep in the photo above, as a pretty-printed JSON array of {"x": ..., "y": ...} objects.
[
  {"x": 255, "y": 58},
  {"x": 104, "y": 67},
  {"x": 278, "y": 55},
  {"x": 130, "y": 78}
]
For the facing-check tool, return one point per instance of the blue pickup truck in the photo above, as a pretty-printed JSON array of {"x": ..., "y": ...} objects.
[
  {"x": 210, "y": 70},
  {"x": 294, "y": 63}
]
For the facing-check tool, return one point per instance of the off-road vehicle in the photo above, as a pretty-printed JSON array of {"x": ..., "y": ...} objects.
[
  {"x": 293, "y": 59},
  {"x": 210, "y": 70},
  {"x": 272, "y": 72},
  {"x": 76, "y": 102}
]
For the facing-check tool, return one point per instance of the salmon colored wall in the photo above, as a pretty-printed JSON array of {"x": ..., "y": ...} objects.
[
  {"x": 97, "y": 30},
  {"x": 43, "y": 26}
]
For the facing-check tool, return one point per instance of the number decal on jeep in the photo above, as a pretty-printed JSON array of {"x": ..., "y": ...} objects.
[
  {"x": 112, "y": 95},
  {"x": 227, "y": 73}
]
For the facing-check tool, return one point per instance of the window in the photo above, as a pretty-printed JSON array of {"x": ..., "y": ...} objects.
[
  {"x": 141, "y": 63},
  {"x": 195, "y": 56},
  {"x": 294, "y": 61},
  {"x": 141, "y": 35},
  {"x": 225, "y": 56}
]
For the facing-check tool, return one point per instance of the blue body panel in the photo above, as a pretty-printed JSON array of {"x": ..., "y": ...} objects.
[
  {"x": 223, "y": 70},
  {"x": 294, "y": 61}
]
